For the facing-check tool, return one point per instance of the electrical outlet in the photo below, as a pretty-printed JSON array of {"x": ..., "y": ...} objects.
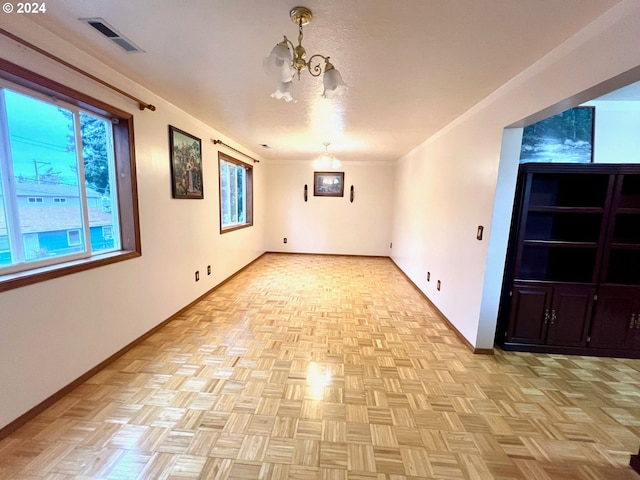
[
  {"x": 480, "y": 231},
  {"x": 428, "y": 276},
  {"x": 285, "y": 240},
  {"x": 197, "y": 275},
  {"x": 208, "y": 269},
  {"x": 438, "y": 285},
  {"x": 391, "y": 245}
]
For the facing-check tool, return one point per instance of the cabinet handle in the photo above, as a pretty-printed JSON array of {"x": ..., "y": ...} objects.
[
  {"x": 546, "y": 316},
  {"x": 632, "y": 323},
  {"x": 553, "y": 317}
]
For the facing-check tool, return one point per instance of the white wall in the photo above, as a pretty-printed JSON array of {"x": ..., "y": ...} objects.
[
  {"x": 329, "y": 224},
  {"x": 448, "y": 186},
  {"x": 617, "y": 128},
  {"x": 53, "y": 332}
]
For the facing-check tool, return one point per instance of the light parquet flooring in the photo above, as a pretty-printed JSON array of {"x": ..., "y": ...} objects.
[{"x": 332, "y": 368}]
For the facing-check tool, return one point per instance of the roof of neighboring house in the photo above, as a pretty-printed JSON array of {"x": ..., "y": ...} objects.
[
  {"x": 43, "y": 219},
  {"x": 51, "y": 190}
]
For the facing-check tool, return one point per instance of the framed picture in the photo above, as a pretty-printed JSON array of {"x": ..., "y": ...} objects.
[
  {"x": 186, "y": 164},
  {"x": 328, "y": 184},
  {"x": 563, "y": 138}
]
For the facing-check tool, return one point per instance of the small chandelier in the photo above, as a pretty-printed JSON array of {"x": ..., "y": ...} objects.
[
  {"x": 326, "y": 161},
  {"x": 287, "y": 60}
]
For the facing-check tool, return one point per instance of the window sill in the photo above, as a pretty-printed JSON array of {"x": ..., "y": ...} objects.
[
  {"x": 37, "y": 275},
  {"x": 235, "y": 227}
]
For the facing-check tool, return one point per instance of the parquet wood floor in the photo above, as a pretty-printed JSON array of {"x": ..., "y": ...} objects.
[{"x": 332, "y": 368}]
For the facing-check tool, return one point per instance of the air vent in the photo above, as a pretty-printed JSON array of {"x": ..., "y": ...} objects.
[{"x": 112, "y": 34}]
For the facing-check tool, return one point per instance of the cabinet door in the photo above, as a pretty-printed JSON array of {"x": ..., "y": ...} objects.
[
  {"x": 570, "y": 316},
  {"x": 529, "y": 314},
  {"x": 614, "y": 323}
]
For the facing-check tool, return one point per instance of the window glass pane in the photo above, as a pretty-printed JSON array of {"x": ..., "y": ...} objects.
[
  {"x": 241, "y": 194},
  {"x": 5, "y": 249},
  {"x": 100, "y": 186},
  {"x": 233, "y": 194},
  {"x": 44, "y": 164},
  {"x": 224, "y": 193}
]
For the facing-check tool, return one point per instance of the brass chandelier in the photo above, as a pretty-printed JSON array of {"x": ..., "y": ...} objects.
[
  {"x": 286, "y": 61},
  {"x": 326, "y": 161}
]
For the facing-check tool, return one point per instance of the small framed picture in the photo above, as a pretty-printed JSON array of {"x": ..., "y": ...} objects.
[
  {"x": 328, "y": 184},
  {"x": 186, "y": 164}
]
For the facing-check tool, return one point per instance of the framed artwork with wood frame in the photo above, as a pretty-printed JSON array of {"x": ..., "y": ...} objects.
[
  {"x": 328, "y": 184},
  {"x": 186, "y": 164}
]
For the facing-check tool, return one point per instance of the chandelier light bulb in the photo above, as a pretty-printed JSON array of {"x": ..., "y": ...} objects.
[{"x": 326, "y": 161}]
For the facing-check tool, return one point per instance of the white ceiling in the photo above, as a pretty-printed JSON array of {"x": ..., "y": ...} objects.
[{"x": 412, "y": 66}]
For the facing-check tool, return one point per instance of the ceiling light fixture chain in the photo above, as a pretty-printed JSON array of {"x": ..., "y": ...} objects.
[{"x": 287, "y": 60}]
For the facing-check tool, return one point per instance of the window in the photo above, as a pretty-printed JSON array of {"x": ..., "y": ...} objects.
[
  {"x": 236, "y": 193},
  {"x": 74, "y": 238},
  {"x": 76, "y": 153},
  {"x": 107, "y": 232}
]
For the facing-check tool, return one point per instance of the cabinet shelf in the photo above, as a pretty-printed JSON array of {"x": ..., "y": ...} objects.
[
  {"x": 624, "y": 266},
  {"x": 630, "y": 192},
  {"x": 557, "y": 263},
  {"x": 560, "y": 244},
  {"x": 626, "y": 228},
  {"x": 550, "y": 189},
  {"x": 556, "y": 209},
  {"x": 563, "y": 226},
  {"x": 625, "y": 246}
]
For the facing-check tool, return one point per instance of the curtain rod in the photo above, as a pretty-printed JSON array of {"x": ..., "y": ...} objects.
[
  {"x": 141, "y": 104},
  {"x": 216, "y": 142}
]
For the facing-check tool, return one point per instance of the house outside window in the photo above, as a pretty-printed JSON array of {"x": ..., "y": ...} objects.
[{"x": 236, "y": 193}]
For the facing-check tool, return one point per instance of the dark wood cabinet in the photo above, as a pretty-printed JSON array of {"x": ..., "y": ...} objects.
[
  {"x": 616, "y": 323},
  {"x": 572, "y": 280},
  {"x": 529, "y": 313},
  {"x": 552, "y": 314}
]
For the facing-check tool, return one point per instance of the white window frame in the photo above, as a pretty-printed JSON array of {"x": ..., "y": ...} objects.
[{"x": 11, "y": 202}]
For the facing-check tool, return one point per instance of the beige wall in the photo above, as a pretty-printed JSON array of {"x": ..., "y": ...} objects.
[
  {"x": 616, "y": 138},
  {"x": 329, "y": 224}
]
